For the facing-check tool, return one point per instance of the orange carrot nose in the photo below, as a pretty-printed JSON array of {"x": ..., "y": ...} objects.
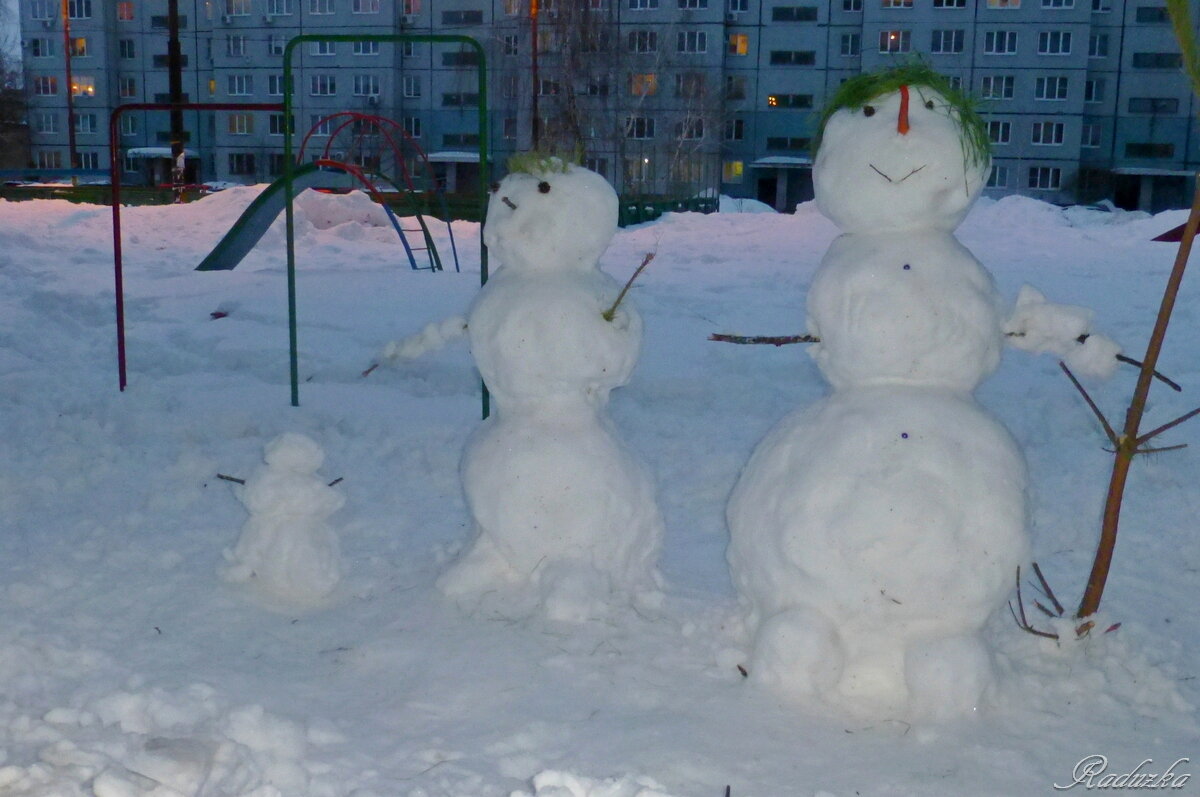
[{"x": 902, "y": 120}]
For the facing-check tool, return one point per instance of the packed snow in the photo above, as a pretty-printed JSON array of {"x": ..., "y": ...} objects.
[{"x": 130, "y": 668}]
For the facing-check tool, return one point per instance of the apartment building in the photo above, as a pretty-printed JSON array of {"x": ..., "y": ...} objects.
[{"x": 1084, "y": 99}]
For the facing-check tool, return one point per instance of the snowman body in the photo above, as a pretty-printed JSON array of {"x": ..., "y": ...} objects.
[
  {"x": 873, "y": 533},
  {"x": 565, "y": 517}
]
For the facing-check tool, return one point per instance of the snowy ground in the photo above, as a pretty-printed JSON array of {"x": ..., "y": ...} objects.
[{"x": 128, "y": 667}]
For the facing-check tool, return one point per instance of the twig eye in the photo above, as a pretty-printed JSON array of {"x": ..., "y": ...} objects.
[
  {"x": 929, "y": 104},
  {"x": 495, "y": 187},
  {"x": 544, "y": 187}
]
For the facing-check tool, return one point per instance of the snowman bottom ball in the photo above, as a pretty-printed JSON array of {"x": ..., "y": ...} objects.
[{"x": 872, "y": 535}]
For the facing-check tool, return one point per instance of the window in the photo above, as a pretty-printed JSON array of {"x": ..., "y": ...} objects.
[
  {"x": 1093, "y": 90},
  {"x": 690, "y": 85},
  {"x": 510, "y": 128},
  {"x": 275, "y": 85},
  {"x": 597, "y": 88},
  {"x": 947, "y": 41},
  {"x": 83, "y": 86},
  {"x": 509, "y": 43},
  {"x": 1153, "y": 105},
  {"x": 364, "y": 7},
  {"x": 548, "y": 88},
  {"x": 949, "y": 3},
  {"x": 896, "y": 3},
  {"x": 895, "y": 41},
  {"x": 48, "y": 122},
  {"x": 126, "y": 86},
  {"x": 794, "y": 14},
  {"x": 275, "y": 125},
  {"x": 738, "y": 6},
  {"x": 322, "y": 85},
  {"x": 45, "y": 85},
  {"x": 998, "y": 178},
  {"x": 692, "y": 41},
  {"x": 368, "y": 48},
  {"x": 642, "y": 5},
  {"x": 691, "y": 129},
  {"x": 320, "y": 6},
  {"x": 320, "y": 126},
  {"x": 735, "y": 129},
  {"x": 1153, "y": 15},
  {"x": 643, "y": 41},
  {"x": 997, "y": 87},
  {"x": 512, "y": 8},
  {"x": 1000, "y": 42},
  {"x": 1058, "y": 3},
  {"x": 1149, "y": 150},
  {"x": 789, "y": 143},
  {"x": 1047, "y": 134},
  {"x": 1050, "y": 88},
  {"x": 789, "y": 100},
  {"x": 1046, "y": 178},
  {"x": 41, "y": 9},
  {"x": 1157, "y": 61},
  {"x": 241, "y": 124},
  {"x": 89, "y": 160},
  {"x": 235, "y": 44},
  {"x": 1101, "y": 6},
  {"x": 1054, "y": 42},
  {"x": 239, "y": 85},
  {"x": 1089, "y": 137},
  {"x": 739, "y": 44},
  {"x": 643, "y": 84},
  {"x": 237, "y": 8},
  {"x": 279, "y": 8},
  {"x": 79, "y": 47},
  {"x": 275, "y": 44},
  {"x": 597, "y": 165},
  {"x": 731, "y": 171},
  {"x": 126, "y": 48},
  {"x": 42, "y": 48},
  {"x": 125, "y": 11},
  {"x": 462, "y": 17},
  {"x": 999, "y": 132},
  {"x": 735, "y": 87},
  {"x": 692, "y": 4},
  {"x": 79, "y": 9},
  {"x": 241, "y": 163},
  {"x": 49, "y": 159},
  {"x": 852, "y": 6},
  {"x": 793, "y": 57},
  {"x": 366, "y": 85},
  {"x": 851, "y": 44},
  {"x": 1003, "y": 3},
  {"x": 129, "y": 124},
  {"x": 322, "y": 48},
  {"x": 460, "y": 140},
  {"x": 411, "y": 86},
  {"x": 413, "y": 7},
  {"x": 412, "y": 126},
  {"x": 639, "y": 127},
  {"x": 459, "y": 99},
  {"x": 1098, "y": 45}
]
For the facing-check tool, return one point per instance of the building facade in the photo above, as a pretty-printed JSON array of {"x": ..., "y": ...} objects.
[{"x": 1084, "y": 99}]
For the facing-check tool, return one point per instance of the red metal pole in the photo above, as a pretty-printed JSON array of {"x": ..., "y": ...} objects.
[{"x": 72, "y": 154}]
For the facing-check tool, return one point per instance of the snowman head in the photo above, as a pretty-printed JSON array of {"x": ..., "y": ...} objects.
[
  {"x": 899, "y": 150},
  {"x": 548, "y": 214}
]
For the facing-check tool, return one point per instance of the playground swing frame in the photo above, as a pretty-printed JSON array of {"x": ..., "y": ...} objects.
[{"x": 286, "y": 107}]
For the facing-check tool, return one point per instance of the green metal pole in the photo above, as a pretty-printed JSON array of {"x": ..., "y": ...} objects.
[{"x": 290, "y": 216}]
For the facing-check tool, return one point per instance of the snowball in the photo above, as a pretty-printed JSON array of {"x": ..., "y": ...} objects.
[
  {"x": 1040, "y": 326},
  {"x": 435, "y": 335},
  {"x": 287, "y": 549},
  {"x": 916, "y": 308},
  {"x": 870, "y": 179},
  {"x": 1096, "y": 356}
]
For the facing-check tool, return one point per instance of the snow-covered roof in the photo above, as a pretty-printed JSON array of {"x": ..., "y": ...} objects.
[
  {"x": 784, "y": 162},
  {"x": 156, "y": 152},
  {"x": 452, "y": 156}
]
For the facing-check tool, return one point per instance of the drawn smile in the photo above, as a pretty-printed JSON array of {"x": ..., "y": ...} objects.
[{"x": 902, "y": 179}]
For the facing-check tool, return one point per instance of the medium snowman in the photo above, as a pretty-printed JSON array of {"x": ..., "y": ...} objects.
[
  {"x": 873, "y": 533},
  {"x": 565, "y": 517}
]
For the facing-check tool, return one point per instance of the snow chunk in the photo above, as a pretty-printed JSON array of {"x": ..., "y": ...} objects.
[
  {"x": 553, "y": 783},
  {"x": 435, "y": 335},
  {"x": 1040, "y": 326}
]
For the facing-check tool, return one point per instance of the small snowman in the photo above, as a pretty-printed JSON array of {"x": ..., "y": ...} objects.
[
  {"x": 565, "y": 517},
  {"x": 288, "y": 551},
  {"x": 873, "y": 533}
]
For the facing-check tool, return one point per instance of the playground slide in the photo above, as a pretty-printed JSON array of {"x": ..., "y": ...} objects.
[{"x": 254, "y": 222}]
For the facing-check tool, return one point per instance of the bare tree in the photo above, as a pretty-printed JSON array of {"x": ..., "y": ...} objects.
[{"x": 14, "y": 134}]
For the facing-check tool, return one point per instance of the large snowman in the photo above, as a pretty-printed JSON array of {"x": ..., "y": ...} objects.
[
  {"x": 565, "y": 517},
  {"x": 873, "y": 533}
]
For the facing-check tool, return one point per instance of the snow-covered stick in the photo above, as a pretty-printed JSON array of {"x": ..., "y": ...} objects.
[
  {"x": 1128, "y": 443},
  {"x": 611, "y": 312}
]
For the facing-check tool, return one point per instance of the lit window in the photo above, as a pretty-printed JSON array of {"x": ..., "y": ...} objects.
[{"x": 739, "y": 43}]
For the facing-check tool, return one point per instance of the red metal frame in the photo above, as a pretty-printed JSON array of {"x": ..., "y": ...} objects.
[{"x": 114, "y": 174}]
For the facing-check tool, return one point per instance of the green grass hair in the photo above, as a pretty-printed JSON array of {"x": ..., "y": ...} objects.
[
  {"x": 861, "y": 89},
  {"x": 541, "y": 162}
]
